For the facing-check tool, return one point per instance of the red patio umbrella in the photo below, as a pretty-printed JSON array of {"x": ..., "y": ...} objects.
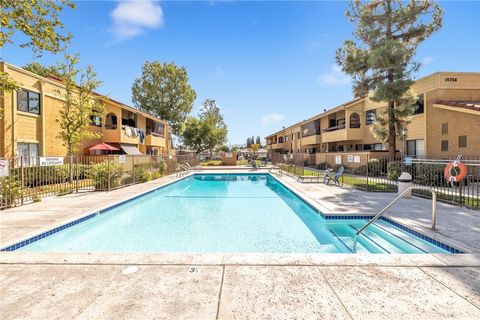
[{"x": 103, "y": 146}]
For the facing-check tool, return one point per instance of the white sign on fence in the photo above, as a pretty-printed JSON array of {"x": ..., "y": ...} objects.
[
  {"x": 356, "y": 159},
  {"x": 121, "y": 159},
  {"x": 3, "y": 168},
  {"x": 338, "y": 159},
  {"x": 228, "y": 155},
  {"x": 350, "y": 158},
  {"x": 408, "y": 161},
  {"x": 50, "y": 161}
]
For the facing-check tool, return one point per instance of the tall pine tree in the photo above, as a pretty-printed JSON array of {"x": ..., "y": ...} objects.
[{"x": 389, "y": 32}]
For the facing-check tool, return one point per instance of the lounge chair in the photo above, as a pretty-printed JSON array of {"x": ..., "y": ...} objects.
[
  {"x": 335, "y": 178},
  {"x": 303, "y": 179},
  {"x": 254, "y": 164}
]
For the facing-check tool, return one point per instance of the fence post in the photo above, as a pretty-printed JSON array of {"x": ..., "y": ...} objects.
[
  {"x": 108, "y": 173},
  {"x": 22, "y": 179},
  {"x": 367, "y": 170},
  {"x": 78, "y": 175}
]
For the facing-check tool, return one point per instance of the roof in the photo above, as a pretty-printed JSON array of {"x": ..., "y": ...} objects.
[{"x": 471, "y": 105}]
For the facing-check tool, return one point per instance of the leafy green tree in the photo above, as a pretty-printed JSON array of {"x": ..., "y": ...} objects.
[
  {"x": 163, "y": 91},
  {"x": 39, "y": 22},
  {"x": 223, "y": 148},
  {"x": 389, "y": 32},
  {"x": 79, "y": 103},
  {"x": 258, "y": 141},
  {"x": 207, "y": 131},
  {"x": 41, "y": 70}
]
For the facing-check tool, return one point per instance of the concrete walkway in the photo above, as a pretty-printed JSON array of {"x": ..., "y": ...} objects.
[
  {"x": 236, "y": 286},
  {"x": 237, "y": 292}
]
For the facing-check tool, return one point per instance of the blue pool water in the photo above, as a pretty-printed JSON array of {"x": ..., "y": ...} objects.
[{"x": 225, "y": 213}]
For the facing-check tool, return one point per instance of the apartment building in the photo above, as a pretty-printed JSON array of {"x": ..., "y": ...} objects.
[
  {"x": 29, "y": 124},
  {"x": 446, "y": 121}
]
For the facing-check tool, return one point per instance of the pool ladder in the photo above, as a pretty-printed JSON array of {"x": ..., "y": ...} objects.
[
  {"x": 394, "y": 201},
  {"x": 183, "y": 169}
]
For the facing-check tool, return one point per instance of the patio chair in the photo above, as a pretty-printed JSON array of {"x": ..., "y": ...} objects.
[{"x": 335, "y": 178}]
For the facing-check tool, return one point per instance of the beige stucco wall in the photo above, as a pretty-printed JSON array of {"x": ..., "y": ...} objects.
[{"x": 17, "y": 126}]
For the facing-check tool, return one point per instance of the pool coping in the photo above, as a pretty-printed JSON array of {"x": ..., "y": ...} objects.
[{"x": 427, "y": 259}]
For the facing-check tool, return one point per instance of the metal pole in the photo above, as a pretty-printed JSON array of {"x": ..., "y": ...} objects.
[
  {"x": 76, "y": 180},
  {"x": 108, "y": 172},
  {"x": 434, "y": 209},
  {"x": 22, "y": 179}
]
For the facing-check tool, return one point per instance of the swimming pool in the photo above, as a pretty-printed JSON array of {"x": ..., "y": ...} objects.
[{"x": 226, "y": 213}]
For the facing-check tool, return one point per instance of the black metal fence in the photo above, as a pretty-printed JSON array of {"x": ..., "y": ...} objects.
[
  {"x": 373, "y": 172},
  {"x": 29, "y": 179}
]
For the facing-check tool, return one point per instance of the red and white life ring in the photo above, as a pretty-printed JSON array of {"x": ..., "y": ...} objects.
[{"x": 455, "y": 171}]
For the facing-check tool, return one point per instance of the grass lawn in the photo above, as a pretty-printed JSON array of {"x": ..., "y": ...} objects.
[{"x": 354, "y": 181}]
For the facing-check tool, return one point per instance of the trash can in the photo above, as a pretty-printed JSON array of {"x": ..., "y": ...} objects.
[{"x": 404, "y": 182}]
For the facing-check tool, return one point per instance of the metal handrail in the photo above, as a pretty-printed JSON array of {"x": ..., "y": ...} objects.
[
  {"x": 182, "y": 169},
  {"x": 378, "y": 215}
]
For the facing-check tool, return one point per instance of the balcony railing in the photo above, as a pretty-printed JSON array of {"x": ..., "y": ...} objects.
[{"x": 340, "y": 127}]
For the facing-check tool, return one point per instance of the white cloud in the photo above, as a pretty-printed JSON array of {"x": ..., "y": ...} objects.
[
  {"x": 335, "y": 77},
  {"x": 272, "y": 118},
  {"x": 131, "y": 18},
  {"x": 427, "y": 60}
]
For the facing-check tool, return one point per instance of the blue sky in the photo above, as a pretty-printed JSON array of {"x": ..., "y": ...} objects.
[{"x": 267, "y": 64}]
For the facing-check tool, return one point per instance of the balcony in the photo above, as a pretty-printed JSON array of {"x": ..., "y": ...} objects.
[
  {"x": 274, "y": 146},
  {"x": 121, "y": 135},
  {"x": 311, "y": 140},
  {"x": 341, "y": 133},
  {"x": 155, "y": 141}
]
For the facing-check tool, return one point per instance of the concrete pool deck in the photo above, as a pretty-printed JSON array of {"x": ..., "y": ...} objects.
[{"x": 242, "y": 286}]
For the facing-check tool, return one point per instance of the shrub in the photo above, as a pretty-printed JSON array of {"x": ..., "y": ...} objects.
[
  {"x": 141, "y": 173},
  {"x": 212, "y": 163},
  {"x": 374, "y": 168},
  {"x": 394, "y": 170},
  {"x": 429, "y": 174},
  {"x": 98, "y": 172},
  {"x": 10, "y": 191},
  {"x": 147, "y": 171}
]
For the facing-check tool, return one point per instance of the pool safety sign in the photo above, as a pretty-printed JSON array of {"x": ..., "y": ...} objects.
[
  {"x": 51, "y": 161},
  {"x": 3, "y": 168},
  {"x": 121, "y": 159},
  {"x": 408, "y": 161}
]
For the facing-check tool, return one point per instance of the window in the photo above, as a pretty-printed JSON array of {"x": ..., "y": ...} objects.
[
  {"x": 419, "y": 105},
  {"x": 354, "y": 120},
  {"x": 444, "y": 128},
  {"x": 416, "y": 147},
  {"x": 375, "y": 146},
  {"x": 29, "y": 152},
  {"x": 280, "y": 140},
  {"x": 444, "y": 146},
  {"x": 298, "y": 135},
  {"x": 359, "y": 147},
  {"x": 286, "y": 138},
  {"x": 311, "y": 128},
  {"x": 155, "y": 128},
  {"x": 111, "y": 121},
  {"x": 462, "y": 141},
  {"x": 96, "y": 121},
  {"x": 293, "y": 137},
  {"x": 28, "y": 101},
  {"x": 370, "y": 117}
]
